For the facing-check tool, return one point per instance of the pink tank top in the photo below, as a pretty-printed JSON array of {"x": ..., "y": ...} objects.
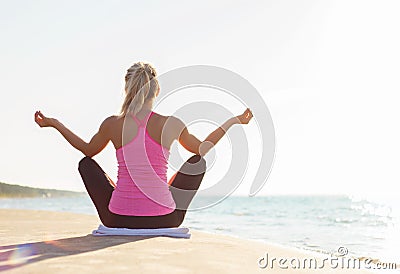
[{"x": 142, "y": 188}]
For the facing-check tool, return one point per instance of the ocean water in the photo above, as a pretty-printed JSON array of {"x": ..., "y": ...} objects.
[{"x": 318, "y": 223}]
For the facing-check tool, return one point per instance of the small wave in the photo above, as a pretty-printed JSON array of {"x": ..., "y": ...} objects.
[
  {"x": 344, "y": 221},
  {"x": 313, "y": 246},
  {"x": 239, "y": 213},
  {"x": 220, "y": 228}
]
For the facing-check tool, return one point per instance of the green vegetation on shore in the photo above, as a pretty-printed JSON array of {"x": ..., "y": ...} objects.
[{"x": 16, "y": 191}]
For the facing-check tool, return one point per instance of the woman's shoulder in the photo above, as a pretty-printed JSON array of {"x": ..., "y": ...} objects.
[
  {"x": 171, "y": 123},
  {"x": 160, "y": 116},
  {"x": 112, "y": 121},
  {"x": 170, "y": 119}
]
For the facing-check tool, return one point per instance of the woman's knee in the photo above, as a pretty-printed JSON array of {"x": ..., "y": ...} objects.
[
  {"x": 84, "y": 163},
  {"x": 197, "y": 165}
]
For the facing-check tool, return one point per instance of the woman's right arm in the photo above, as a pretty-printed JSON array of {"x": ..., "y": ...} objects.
[{"x": 194, "y": 145}]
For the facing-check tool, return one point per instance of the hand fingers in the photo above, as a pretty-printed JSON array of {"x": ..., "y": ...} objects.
[
  {"x": 249, "y": 114},
  {"x": 36, "y": 116}
]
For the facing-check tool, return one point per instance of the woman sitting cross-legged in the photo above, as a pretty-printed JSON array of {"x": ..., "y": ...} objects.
[{"x": 142, "y": 197}]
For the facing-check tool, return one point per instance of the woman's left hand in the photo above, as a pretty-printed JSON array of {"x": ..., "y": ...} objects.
[
  {"x": 42, "y": 120},
  {"x": 245, "y": 117}
]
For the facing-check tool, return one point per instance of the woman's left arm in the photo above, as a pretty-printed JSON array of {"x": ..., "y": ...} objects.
[{"x": 96, "y": 144}]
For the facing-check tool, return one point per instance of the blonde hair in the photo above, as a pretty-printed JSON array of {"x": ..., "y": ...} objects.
[{"x": 140, "y": 84}]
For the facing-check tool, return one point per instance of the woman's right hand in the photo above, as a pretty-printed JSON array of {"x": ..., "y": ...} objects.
[{"x": 245, "y": 117}]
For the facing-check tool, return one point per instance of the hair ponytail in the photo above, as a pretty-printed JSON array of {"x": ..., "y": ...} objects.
[{"x": 140, "y": 84}]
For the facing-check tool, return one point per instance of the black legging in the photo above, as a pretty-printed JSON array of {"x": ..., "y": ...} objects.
[{"x": 100, "y": 190}]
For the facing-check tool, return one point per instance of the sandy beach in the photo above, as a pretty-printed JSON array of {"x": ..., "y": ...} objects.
[{"x": 58, "y": 242}]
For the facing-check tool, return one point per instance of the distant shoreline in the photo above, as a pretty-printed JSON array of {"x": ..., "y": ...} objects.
[{"x": 17, "y": 191}]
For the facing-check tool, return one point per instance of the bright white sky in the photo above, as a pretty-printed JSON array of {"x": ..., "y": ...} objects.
[{"x": 328, "y": 71}]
